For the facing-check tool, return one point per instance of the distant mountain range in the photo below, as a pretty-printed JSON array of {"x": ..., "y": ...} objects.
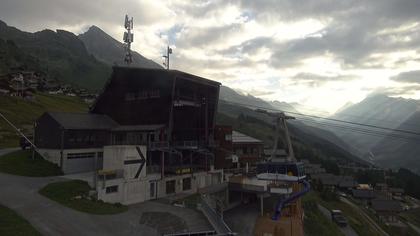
[
  {"x": 61, "y": 55},
  {"x": 379, "y": 145},
  {"x": 377, "y": 110},
  {"x": 394, "y": 151},
  {"x": 86, "y": 61}
]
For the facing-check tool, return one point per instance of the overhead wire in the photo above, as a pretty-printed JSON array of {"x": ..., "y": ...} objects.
[{"x": 373, "y": 130}]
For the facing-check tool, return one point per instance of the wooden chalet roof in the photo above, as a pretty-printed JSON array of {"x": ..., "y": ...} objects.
[
  {"x": 386, "y": 205},
  {"x": 242, "y": 138},
  {"x": 171, "y": 73}
]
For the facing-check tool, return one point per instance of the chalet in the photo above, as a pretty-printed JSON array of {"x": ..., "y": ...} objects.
[
  {"x": 236, "y": 149},
  {"x": 364, "y": 195},
  {"x": 248, "y": 149},
  {"x": 149, "y": 134},
  {"x": 387, "y": 210},
  {"x": 396, "y": 193},
  {"x": 332, "y": 182}
]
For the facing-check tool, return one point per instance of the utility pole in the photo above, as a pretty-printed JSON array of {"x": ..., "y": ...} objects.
[
  {"x": 168, "y": 52},
  {"x": 128, "y": 39}
]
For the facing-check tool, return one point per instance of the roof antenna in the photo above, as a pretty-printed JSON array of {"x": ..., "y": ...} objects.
[
  {"x": 168, "y": 52},
  {"x": 128, "y": 39}
]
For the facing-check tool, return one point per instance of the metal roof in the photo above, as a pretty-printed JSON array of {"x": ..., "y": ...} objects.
[
  {"x": 386, "y": 205},
  {"x": 363, "y": 193},
  {"x": 138, "y": 127},
  {"x": 86, "y": 121},
  {"x": 242, "y": 138}
]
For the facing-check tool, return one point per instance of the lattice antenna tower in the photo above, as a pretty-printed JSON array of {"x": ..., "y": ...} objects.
[{"x": 128, "y": 39}]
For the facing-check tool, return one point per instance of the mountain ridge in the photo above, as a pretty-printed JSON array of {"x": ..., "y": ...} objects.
[{"x": 110, "y": 51}]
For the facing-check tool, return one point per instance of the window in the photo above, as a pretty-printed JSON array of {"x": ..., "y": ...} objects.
[
  {"x": 228, "y": 137},
  {"x": 142, "y": 95},
  {"x": 186, "y": 184},
  {"x": 130, "y": 97},
  {"x": 154, "y": 94},
  {"x": 112, "y": 189},
  {"x": 170, "y": 186},
  {"x": 152, "y": 190},
  {"x": 80, "y": 155}
]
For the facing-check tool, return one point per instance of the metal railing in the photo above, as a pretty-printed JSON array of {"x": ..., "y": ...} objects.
[
  {"x": 197, "y": 233},
  {"x": 215, "y": 219}
]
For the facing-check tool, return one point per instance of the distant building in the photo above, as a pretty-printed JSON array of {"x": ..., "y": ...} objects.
[
  {"x": 236, "y": 149},
  {"x": 150, "y": 134},
  {"x": 332, "y": 182},
  {"x": 387, "y": 210},
  {"x": 364, "y": 195},
  {"x": 396, "y": 193},
  {"x": 246, "y": 148},
  {"x": 313, "y": 169}
]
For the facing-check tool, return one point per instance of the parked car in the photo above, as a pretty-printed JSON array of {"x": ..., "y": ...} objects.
[
  {"x": 338, "y": 218},
  {"x": 24, "y": 143}
]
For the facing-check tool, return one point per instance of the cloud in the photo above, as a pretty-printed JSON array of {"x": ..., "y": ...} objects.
[
  {"x": 400, "y": 91},
  {"x": 408, "y": 77},
  {"x": 309, "y": 46},
  {"x": 315, "y": 80}
]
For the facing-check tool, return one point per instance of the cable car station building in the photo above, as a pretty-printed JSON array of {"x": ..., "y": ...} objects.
[{"x": 150, "y": 134}]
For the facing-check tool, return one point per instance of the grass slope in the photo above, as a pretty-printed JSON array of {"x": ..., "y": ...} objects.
[
  {"x": 12, "y": 224},
  {"x": 66, "y": 192},
  {"x": 315, "y": 222},
  {"x": 21, "y": 163},
  {"x": 24, "y": 113}
]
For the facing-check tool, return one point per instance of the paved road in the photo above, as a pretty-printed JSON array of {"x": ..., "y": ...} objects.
[
  {"x": 4, "y": 151},
  {"x": 368, "y": 219},
  {"x": 415, "y": 228},
  {"x": 242, "y": 219},
  {"x": 348, "y": 230},
  {"x": 50, "y": 218}
]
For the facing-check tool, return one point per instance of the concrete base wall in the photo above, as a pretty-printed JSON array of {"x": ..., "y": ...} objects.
[{"x": 130, "y": 192}]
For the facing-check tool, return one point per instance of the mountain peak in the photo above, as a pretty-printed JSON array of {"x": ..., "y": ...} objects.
[{"x": 94, "y": 28}]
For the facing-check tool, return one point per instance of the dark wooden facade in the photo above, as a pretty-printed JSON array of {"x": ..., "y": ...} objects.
[
  {"x": 232, "y": 143},
  {"x": 185, "y": 104},
  {"x": 51, "y": 133},
  {"x": 171, "y": 112}
]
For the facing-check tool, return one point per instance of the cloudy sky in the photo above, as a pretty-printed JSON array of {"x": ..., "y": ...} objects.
[{"x": 320, "y": 53}]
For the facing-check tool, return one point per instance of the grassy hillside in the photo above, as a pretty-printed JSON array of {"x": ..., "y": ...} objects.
[
  {"x": 11, "y": 57},
  {"x": 61, "y": 55},
  {"x": 23, "y": 113},
  {"x": 306, "y": 143}
]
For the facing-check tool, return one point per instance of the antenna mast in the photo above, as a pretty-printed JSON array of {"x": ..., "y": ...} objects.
[
  {"x": 168, "y": 52},
  {"x": 128, "y": 39}
]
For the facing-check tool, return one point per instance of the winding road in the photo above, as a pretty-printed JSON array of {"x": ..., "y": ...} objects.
[{"x": 50, "y": 218}]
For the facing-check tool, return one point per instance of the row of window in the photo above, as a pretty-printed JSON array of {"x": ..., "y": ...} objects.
[
  {"x": 81, "y": 155},
  {"x": 170, "y": 187},
  {"x": 144, "y": 94},
  {"x": 246, "y": 150}
]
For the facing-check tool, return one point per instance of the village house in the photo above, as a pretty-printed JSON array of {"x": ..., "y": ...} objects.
[
  {"x": 236, "y": 150},
  {"x": 386, "y": 210}
]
